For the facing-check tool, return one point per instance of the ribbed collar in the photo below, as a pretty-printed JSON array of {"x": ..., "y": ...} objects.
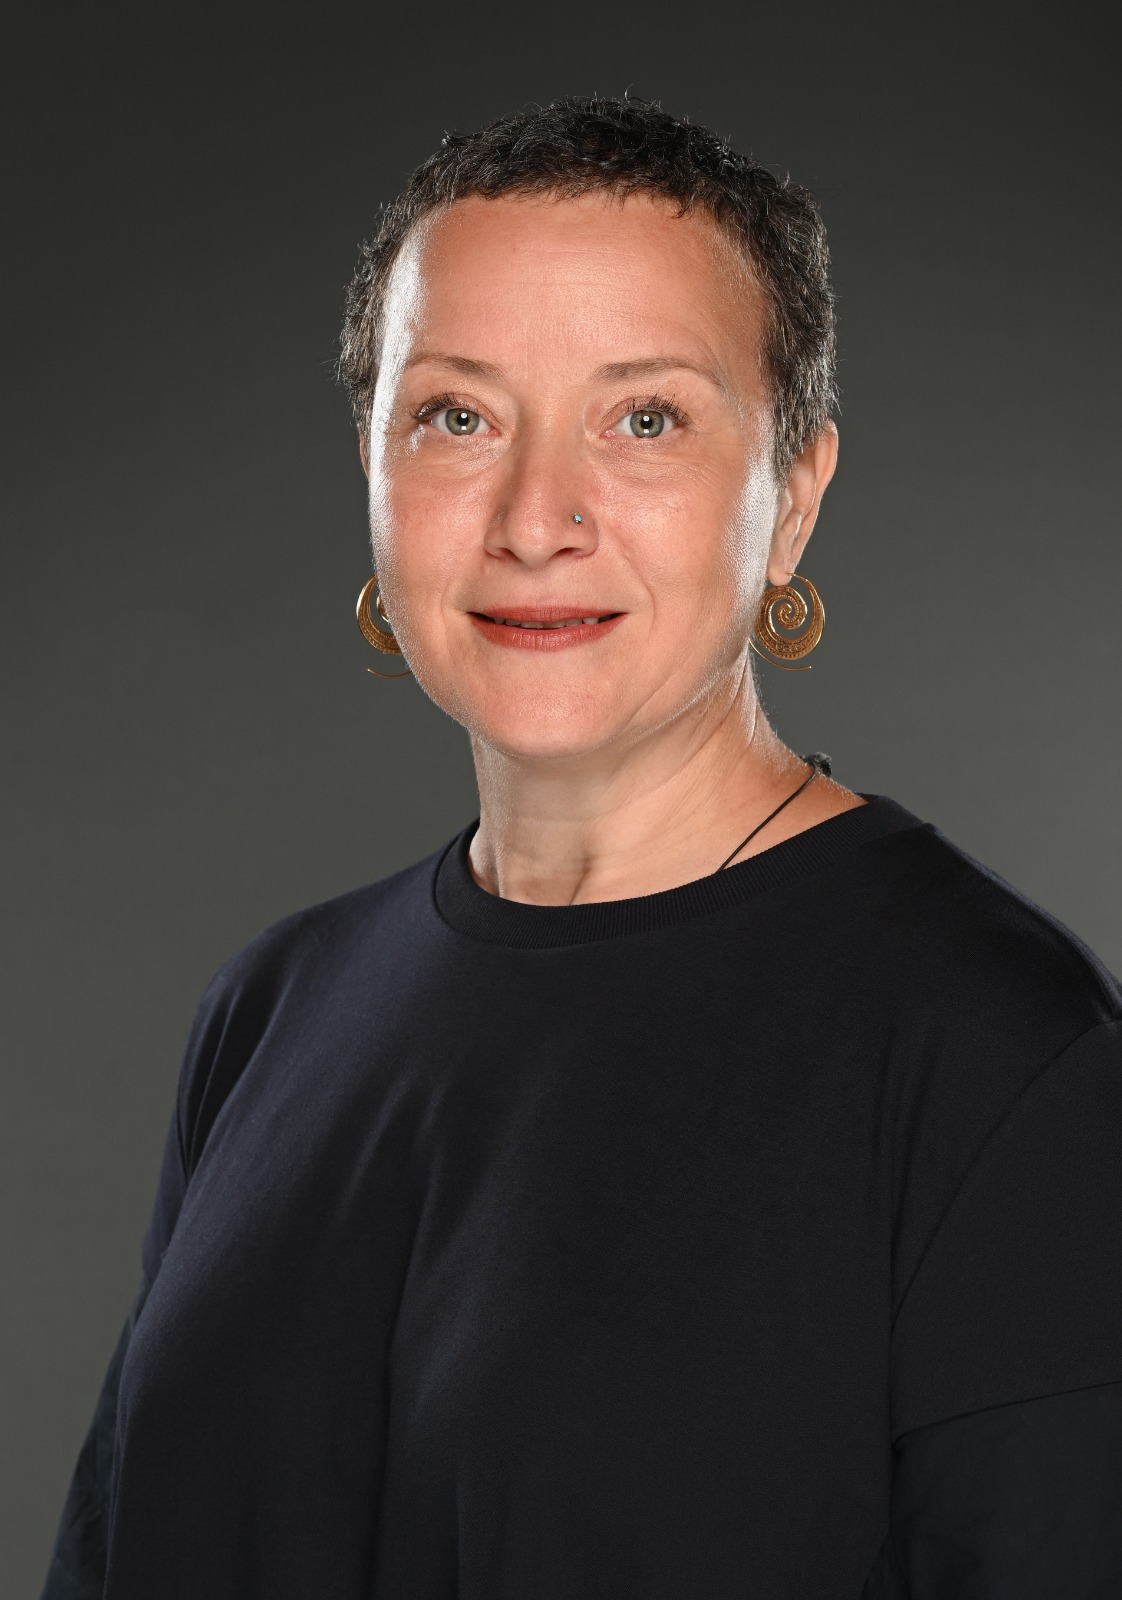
[{"x": 489, "y": 918}]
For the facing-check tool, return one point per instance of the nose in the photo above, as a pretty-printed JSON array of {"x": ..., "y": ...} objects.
[{"x": 540, "y": 512}]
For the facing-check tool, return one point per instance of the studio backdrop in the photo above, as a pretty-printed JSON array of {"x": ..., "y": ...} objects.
[{"x": 193, "y": 746}]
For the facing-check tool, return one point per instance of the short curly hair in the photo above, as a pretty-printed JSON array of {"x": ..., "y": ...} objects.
[{"x": 578, "y": 145}]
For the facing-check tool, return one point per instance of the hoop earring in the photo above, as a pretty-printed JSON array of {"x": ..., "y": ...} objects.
[
  {"x": 791, "y": 610},
  {"x": 380, "y": 638}
]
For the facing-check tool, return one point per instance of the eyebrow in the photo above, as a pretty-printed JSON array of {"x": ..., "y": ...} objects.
[
  {"x": 465, "y": 364},
  {"x": 613, "y": 371},
  {"x": 610, "y": 372}
]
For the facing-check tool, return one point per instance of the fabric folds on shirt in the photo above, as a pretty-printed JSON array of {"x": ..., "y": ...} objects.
[{"x": 1018, "y": 1502}]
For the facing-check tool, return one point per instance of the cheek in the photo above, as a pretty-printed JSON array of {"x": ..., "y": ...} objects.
[
  {"x": 699, "y": 544},
  {"x": 423, "y": 536},
  {"x": 414, "y": 525},
  {"x": 741, "y": 539}
]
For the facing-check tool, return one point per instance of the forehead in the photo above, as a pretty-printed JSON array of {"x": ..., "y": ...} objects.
[{"x": 592, "y": 278}]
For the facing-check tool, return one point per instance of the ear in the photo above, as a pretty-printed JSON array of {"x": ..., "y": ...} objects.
[
  {"x": 799, "y": 500},
  {"x": 363, "y": 454}
]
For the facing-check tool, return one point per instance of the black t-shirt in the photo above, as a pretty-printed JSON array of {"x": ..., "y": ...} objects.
[{"x": 716, "y": 1242}]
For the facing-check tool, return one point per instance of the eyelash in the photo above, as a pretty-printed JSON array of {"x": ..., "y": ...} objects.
[
  {"x": 652, "y": 402},
  {"x": 440, "y": 402}
]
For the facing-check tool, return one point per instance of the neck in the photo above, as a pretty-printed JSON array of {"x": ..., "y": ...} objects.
[{"x": 663, "y": 811}]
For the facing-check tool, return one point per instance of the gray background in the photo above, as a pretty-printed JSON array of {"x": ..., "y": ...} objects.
[{"x": 192, "y": 744}]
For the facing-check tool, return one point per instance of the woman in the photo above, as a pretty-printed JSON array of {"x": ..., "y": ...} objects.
[{"x": 698, "y": 1178}]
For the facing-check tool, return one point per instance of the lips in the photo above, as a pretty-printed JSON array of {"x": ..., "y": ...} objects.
[
  {"x": 566, "y": 622},
  {"x": 545, "y": 627}
]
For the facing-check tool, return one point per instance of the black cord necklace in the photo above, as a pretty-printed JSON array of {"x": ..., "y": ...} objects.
[{"x": 818, "y": 763}]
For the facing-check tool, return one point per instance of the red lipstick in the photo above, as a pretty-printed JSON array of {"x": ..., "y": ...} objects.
[{"x": 542, "y": 627}]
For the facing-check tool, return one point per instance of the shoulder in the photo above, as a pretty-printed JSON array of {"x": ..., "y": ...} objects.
[
  {"x": 330, "y": 933},
  {"x": 1001, "y": 1030},
  {"x": 961, "y": 936},
  {"x": 330, "y": 955},
  {"x": 1003, "y": 1036}
]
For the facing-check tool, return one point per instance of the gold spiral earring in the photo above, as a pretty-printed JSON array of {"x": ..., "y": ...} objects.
[
  {"x": 790, "y": 612},
  {"x": 380, "y": 638}
]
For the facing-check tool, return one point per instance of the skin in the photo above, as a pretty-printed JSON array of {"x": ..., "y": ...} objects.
[{"x": 635, "y": 762}]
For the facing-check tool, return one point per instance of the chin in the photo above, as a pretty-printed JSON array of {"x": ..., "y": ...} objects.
[{"x": 539, "y": 727}]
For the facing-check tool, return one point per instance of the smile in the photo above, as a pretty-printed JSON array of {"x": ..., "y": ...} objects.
[
  {"x": 567, "y": 622},
  {"x": 545, "y": 627}
]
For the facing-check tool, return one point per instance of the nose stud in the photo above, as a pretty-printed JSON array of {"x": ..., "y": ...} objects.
[{"x": 577, "y": 517}]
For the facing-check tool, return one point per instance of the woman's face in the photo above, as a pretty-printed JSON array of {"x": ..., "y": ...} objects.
[{"x": 544, "y": 358}]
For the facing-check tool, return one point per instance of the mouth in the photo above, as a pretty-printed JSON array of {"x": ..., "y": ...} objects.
[
  {"x": 545, "y": 627},
  {"x": 561, "y": 622}
]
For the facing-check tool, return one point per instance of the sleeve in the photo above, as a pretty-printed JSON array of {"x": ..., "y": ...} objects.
[
  {"x": 233, "y": 1012},
  {"x": 1018, "y": 1295},
  {"x": 78, "y": 1560},
  {"x": 1017, "y": 1502}
]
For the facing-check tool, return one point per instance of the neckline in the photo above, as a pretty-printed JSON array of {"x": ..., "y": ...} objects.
[{"x": 488, "y": 918}]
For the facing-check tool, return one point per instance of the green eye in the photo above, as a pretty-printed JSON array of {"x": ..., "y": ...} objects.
[
  {"x": 458, "y": 420},
  {"x": 646, "y": 422}
]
